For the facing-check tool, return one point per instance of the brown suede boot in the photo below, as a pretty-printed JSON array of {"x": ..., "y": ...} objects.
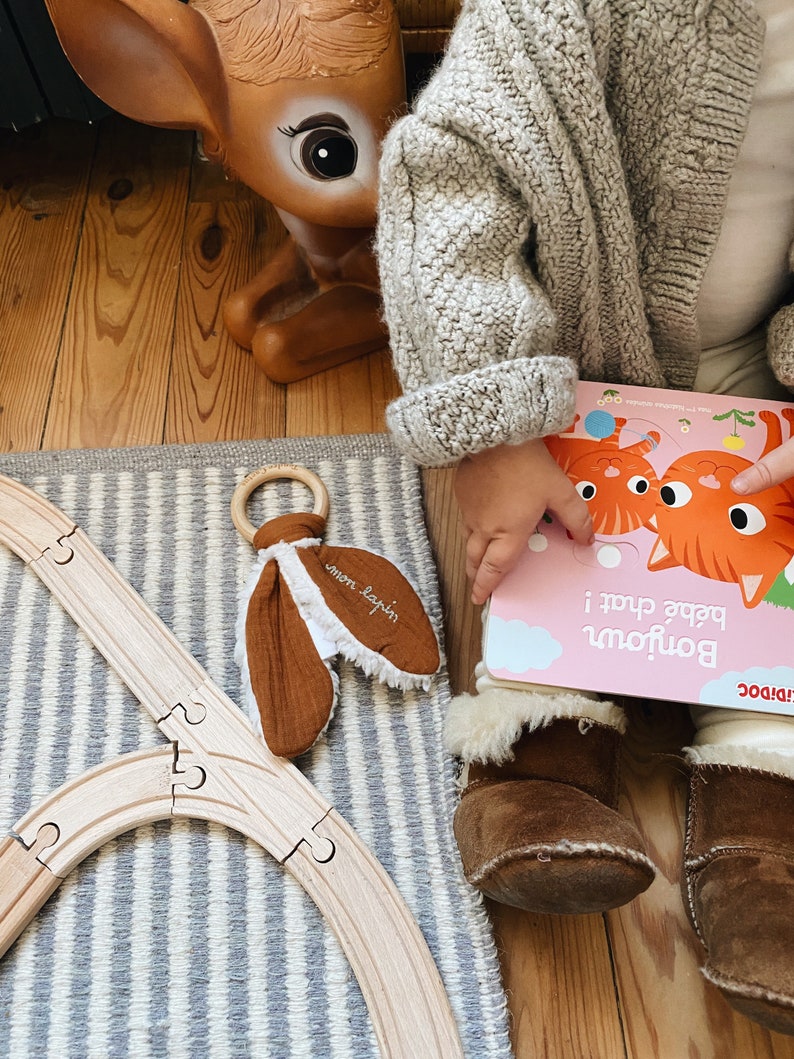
[
  {"x": 541, "y": 831},
  {"x": 739, "y": 887}
]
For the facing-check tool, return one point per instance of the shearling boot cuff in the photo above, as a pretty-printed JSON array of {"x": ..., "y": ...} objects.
[
  {"x": 485, "y": 727},
  {"x": 742, "y": 757}
]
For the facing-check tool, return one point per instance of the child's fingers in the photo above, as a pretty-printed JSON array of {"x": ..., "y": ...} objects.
[
  {"x": 574, "y": 514},
  {"x": 476, "y": 545},
  {"x": 499, "y": 558}
]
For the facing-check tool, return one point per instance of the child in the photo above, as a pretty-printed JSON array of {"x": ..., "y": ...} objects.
[{"x": 602, "y": 190}]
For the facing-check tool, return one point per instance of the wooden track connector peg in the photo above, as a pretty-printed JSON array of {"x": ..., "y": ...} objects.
[{"x": 26, "y": 881}]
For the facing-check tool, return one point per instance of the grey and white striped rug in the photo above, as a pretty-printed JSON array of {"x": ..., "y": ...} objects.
[{"x": 185, "y": 939}]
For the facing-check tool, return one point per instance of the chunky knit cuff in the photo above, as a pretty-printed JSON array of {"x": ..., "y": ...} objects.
[
  {"x": 780, "y": 345},
  {"x": 508, "y": 402}
]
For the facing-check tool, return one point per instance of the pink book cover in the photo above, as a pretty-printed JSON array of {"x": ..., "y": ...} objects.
[{"x": 687, "y": 593}]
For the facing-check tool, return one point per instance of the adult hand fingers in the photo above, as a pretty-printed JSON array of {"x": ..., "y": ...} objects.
[{"x": 775, "y": 467}]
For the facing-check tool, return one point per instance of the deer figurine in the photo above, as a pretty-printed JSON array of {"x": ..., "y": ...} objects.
[{"x": 292, "y": 97}]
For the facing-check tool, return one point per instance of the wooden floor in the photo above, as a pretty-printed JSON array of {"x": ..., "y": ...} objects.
[{"x": 117, "y": 249}]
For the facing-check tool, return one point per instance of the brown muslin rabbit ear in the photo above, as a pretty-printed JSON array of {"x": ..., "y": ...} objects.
[
  {"x": 380, "y": 622},
  {"x": 291, "y": 685},
  {"x": 290, "y": 690}
]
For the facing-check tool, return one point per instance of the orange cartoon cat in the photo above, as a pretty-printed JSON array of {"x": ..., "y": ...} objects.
[
  {"x": 707, "y": 528},
  {"x": 618, "y": 484}
]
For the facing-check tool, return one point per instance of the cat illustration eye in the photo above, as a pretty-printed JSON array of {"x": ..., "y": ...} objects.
[
  {"x": 675, "y": 494},
  {"x": 586, "y": 490},
  {"x": 746, "y": 519},
  {"x": 638, "y": 485}
]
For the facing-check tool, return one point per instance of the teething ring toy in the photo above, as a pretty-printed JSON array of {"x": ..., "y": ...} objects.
[
  {"x": 304, "y": 603},
  {"x": 256, "y": 478}
]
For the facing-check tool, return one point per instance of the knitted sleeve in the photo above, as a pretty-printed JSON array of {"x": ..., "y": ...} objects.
[
  {"x": 471, "y": 329},
  {"x": 780, "y": 338}
]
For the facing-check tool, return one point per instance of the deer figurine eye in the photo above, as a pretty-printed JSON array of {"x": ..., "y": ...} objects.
[
  {"x": 328, "y": 154},
  {"x": 675, "y": 494},
  {"x": 746, "y": 519},
  {"x": 323, "y": 147}
]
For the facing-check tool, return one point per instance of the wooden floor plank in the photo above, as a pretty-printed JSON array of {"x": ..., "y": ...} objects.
[
  {"x": 112, "y": 377},
  {"x": 351, "y": 399},
  {"x": 462, "y": 620},
  {"x": 43, "y": 185},
  {"x": 557, "y": 970},
  {"x": 216, "y": 392},
  {"x": 558, "y": 978}
]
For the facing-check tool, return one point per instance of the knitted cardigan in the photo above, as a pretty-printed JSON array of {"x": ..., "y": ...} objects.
[{"x": 549, "y": 208}]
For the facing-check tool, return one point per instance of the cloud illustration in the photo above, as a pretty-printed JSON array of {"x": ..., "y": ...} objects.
[
  {"x": 516, "y": 647},
  {"x": 756, "y": 688}
]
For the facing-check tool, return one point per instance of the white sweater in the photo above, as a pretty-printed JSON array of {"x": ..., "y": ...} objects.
[{"x": 550, "y": 208}]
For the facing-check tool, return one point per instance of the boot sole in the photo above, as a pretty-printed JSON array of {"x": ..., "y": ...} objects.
[{"x": 566, "y": 878}]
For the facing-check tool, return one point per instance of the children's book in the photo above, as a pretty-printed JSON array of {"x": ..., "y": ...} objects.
[{"x": 687, "y": 593}]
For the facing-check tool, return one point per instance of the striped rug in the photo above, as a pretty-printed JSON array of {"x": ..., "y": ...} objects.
[{"x": 185, "y": 939}]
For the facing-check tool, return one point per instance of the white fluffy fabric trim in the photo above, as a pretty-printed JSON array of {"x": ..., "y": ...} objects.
[
  {"x": 744, "y": 990},
  {"x": 485, "y": 727},
  {"x": 563, "y": 848},
  {"x": 745, "y": 757}
]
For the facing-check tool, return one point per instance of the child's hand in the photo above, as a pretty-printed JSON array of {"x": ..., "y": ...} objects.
[
  {"x": 503, "y": 493},
  {"x": 775, "y": 467}
]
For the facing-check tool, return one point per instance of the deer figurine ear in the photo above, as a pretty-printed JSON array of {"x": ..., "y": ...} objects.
[{"x": 156, "y": 61}]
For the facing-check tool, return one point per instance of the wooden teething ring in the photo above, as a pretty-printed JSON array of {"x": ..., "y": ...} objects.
[{"x": 256, "y": 478}]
